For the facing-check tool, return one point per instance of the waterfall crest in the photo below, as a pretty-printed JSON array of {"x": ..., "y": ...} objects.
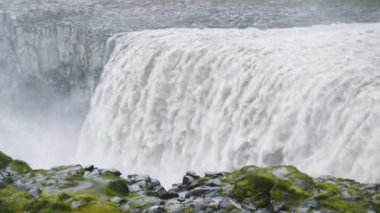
[{"x": 213, "y": 99}]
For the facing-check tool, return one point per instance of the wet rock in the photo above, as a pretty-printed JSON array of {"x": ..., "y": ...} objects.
[
  {"x": 192, "y": 174},
  {"x": 93, "y": 174},
  {"x": 114, "y": 172},
  {"x": 89, "y": 168},
  {"x": 168, "y": 195},
  {"x": 155, "y": 183},
  {"x": 214, "y": 174},
  {"x": 202, "y": 191},
  {"x": 213, "y": 182},
  {"x": 138, "y": 178},
  {"x": 187, "y": 180},
  {"x": 174, "y": 189}
]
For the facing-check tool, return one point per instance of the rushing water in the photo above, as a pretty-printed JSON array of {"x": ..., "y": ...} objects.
[{"x": 213, "y": 99}]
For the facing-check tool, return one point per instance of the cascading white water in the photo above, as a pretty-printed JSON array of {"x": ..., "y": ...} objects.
[{"x": 213, "y": 99}]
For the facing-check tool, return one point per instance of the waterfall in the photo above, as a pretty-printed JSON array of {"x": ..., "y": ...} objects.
[{"x": 173, "y": 100}]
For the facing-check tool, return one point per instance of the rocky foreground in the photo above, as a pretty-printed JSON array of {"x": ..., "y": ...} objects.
[{"x": 249, "y": 189}]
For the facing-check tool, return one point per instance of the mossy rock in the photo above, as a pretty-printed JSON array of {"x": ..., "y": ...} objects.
[
  {"x": 261, "y": 187},
  {"x": 75, "y": 176},
  {"x": 346, "y": 206},
  {"x": 117, "y": 188},
  {"x": 20, "y": 166},
  {"x": 109, "y": 175},
  {"x": 5, "y": 160},
  {"x": 99, "y": 209}
]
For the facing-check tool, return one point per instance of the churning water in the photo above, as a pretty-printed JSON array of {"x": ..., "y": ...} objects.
[{"x": 214, "y": 99}]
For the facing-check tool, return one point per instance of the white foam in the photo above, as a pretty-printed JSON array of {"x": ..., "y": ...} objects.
[{"x": 214, "y": 99}]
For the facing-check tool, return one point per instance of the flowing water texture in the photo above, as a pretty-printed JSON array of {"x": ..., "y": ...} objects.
[{"x": 214, "y": 99}]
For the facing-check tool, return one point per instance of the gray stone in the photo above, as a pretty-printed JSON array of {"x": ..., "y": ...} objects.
[
  {"x": 35, "y": 192},
  {"x": 229, "y": 204},
  {"x": 168, "y": 195},
  {"x": 187, "y": 180},
  {"x": 302, "y": 184},
  {"x": 112, "y": 171},
  {"x": 311, "y": 204},
  {"x": 192, "y": 174},
  {"x": 155, "y": 209},
  {"x": 146, "y": 201},
  {"x": 174, "y": 189},
  {"x": 89, "y": 168},
  {"x": 279, "y": 207},
  {"x": 134, "y": 187},
  {"x": 93, "y": 174},
  {"x": 125, "y": 207},
  {"x": 199, "y": 205},
  {"x": 155, "y": 183},
  {"x": 117, "y": 200},
  {"x": 138, "y": 178},
  {"x": 213, "y": 182},
  {"x": 214, "y": 174},
  {"x": 76, "y": 204},
  {"x": 203, "y": 191},
  {"x": 23, "y": 186}
]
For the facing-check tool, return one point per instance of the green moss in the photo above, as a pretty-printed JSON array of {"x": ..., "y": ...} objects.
[
  {"x": 42, "y": 172},
  {"x": 188, "y": 210},
  {"x": 85, "y": 196},
  {"x": 109, "y": 175},
  {"x": 117, "y": 188},
  {"x": 63, "y": 196},
  {"x": 293, "y": 175},
  {"x": 20, "y": 166},
  {"x": 345, "y": 206},
  {"x": 5, "y": 208},
  {"x": 45, "y": 205},
  {"x": 5, "y": 160},
  {"x": 98, "y": 209},
  {"x": 255, "y": 187},
  {"x": 260, "y": 186},
  {"x": 75, "y": 176},
  {"x": 13, "y": 199},
  {"x": 58, "y": 168},
  {"x": 328, "y": 188}
]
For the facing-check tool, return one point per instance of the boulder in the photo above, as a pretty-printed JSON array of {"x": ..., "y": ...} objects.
[
  {"x": 229, "y": 204},
  {"x": 35, "y": 192},
  {"x": 203, "y": 191},
  {"x": 192, "y": 174},
  {"x": 168, "y": 195},
  {"x": 138, "y": 178},
  {"x": 89, "y": 168},
  {"x": 187, "y": 180},
  {"x": 214, "y": 174}
]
